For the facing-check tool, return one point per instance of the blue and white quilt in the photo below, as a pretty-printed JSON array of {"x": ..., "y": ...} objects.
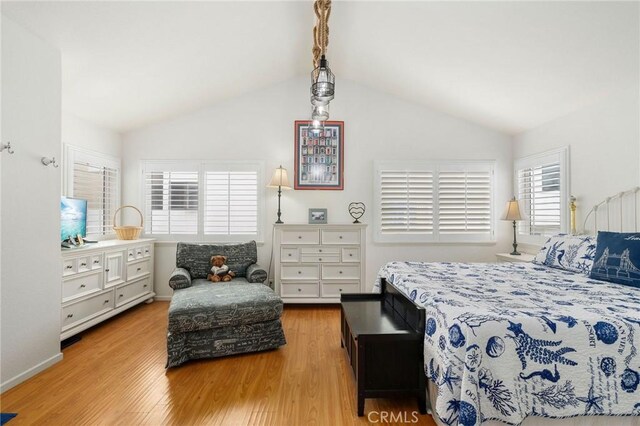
[{"x": 508, "y": 340}]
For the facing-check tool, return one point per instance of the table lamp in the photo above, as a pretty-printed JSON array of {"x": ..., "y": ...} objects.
[
  {"x": 512, "y": 213},
  {"x": 279, "y": 180}
]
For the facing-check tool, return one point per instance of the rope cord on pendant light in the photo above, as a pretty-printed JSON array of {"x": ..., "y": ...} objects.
[{"x": 322, "y": 9}]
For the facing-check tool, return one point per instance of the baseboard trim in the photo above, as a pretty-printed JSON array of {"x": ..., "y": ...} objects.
[
  {"x": 163, "y": 298},
  {"x": 30, "y": 372}
]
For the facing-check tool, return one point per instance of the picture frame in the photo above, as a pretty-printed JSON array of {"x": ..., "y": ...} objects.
[
  {"x": 319, "y": 157},
  {"x": 317, "y": 216}
]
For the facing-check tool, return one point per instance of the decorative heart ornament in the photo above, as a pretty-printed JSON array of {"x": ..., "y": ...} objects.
[{"x": 356, "y": 210}]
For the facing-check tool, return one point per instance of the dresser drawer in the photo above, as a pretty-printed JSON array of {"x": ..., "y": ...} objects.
[
  {"x": 146, "y": 251},
  {"x": 138, "y": 269},
  {"x": 299, "y": 290},
  {"x": 291, "y": 272},
  {"x": 128, "y": 292},
  {"x": 320, "y": 250},
  {"x": 351, "y": 254},
  {"x": 96, "y": 261},
  {"x": 81, "y": 311},
  {"x": 341, "y": 272},
  {"x": 340, "y": 237},
  {"x": 289, "y": 255},
  {"x": 68, "y": 267},
  {"x": 320, "y": 258},
  {"x": 131, "y": 254},
  {"x": 336, "y": 289},
  {"x": 83, "y": 264},
  {"x": 81, "y": 285},
  {"x": 302, "y": 236}
]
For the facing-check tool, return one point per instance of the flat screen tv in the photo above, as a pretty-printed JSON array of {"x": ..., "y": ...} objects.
[{"x": 73, "y": 217}]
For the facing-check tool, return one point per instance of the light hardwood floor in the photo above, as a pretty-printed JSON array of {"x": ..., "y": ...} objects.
[{"x": 116, "y": 375}]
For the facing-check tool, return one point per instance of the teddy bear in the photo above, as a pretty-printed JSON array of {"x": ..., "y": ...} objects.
[{"x": 220, "y": 271}]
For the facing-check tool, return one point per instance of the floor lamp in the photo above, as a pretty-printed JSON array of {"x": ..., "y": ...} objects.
[
  {"x": 513, "y": 214},
  {"x": 279, "y": 180}
]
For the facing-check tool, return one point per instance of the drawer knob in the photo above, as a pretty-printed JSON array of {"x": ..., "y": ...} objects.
[
  {"x": 350, "y": 254},
  {"x": 299, "y": 237},
  {"x": 146, "y": 251},
  {"x": 69, "y": 315},
  {"x": 107, "y": 270},
  {"x": 69, "y": 266},
  {"x": 299, "y": 289},
  {"x": 299, "y": 272},
  {"x": 320, "y": 259},
  {"x": 340, "y": 290},
  {"x": 289, "y": 254},
  {"x": 340, "y": 237},
  {"x": 139, "y": 269},
  {"x": 320, "y": 250},
  {"x": 82, "y": 286},
  {"x": 130, "y": 254},
  {"x": 340, "y": 272},
  {"x": 106, "y": 301},
  {"x": 145, "y": 286},
  {"x": 83, "y": 264},
  {"x": 96, "y": 261},
  {"x": 122, "y": 295}
]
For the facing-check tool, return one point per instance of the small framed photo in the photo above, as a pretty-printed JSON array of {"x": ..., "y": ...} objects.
[{"x": 317, "y": 216}]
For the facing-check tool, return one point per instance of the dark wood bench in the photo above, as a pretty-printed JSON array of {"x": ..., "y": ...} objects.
[{"x": 383, "y": 337}]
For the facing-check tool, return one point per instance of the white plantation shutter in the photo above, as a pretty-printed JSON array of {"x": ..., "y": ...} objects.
[
  {"x": 94, "y": 177},
  {"x": 203, "y": 200},
  {"x": 434, "y": 201},
  {"x": 231, "y": 203},
  {"x": 171, "y": 202},
  {"x": 406, "y": 202},
  {"x": 465, "y": 200},
  {"x": 541, "y": 183}
]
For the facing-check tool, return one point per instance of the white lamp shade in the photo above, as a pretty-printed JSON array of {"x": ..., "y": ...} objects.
[
  {"x": 512, "y": 211},
  {"x": 279, "y": 179}
]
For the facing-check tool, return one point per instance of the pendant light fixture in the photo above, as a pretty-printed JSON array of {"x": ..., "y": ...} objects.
[{"x": 322, "y": 79}]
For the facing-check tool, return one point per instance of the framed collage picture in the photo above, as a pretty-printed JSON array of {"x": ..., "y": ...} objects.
[{"x": 319, "y": 156}]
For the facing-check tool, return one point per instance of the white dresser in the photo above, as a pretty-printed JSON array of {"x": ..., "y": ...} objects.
[
  {"x": 315, "y": 263},
  {"x": 101, "y": 280}
]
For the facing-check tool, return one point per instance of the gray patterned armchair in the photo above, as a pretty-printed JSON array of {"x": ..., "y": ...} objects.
[{"x": 208, "y": 320}]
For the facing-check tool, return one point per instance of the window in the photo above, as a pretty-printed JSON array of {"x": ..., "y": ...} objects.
[
  {"x": 94, "y": 177},
  {"x": 434, "y": 201},
  {"x": 541, "y": 183},
  {"x": 198, "y": 200}
]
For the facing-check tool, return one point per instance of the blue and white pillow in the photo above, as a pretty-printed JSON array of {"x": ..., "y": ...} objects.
[
  {"x": 574, "y": 253},
  {"x": 617, "y": 258}
]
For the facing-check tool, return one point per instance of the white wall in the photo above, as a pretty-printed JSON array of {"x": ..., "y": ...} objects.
[
  {"x": 604, "y": 145},
  {"x": 30, "y": 258},
  {"x": 84, "y": 134},
  {"x": 377, "y": 126}
]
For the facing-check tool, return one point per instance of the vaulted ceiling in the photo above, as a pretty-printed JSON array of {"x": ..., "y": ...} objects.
[{"x": 507, "y": 65}]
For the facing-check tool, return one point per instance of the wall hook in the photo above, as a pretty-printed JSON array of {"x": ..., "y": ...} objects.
[
  {"x": 46, "y": 161},
  {"x": 6, "y": 146}
]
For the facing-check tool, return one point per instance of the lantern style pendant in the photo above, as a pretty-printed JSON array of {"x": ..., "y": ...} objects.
[{"x": 322, "y": 82}]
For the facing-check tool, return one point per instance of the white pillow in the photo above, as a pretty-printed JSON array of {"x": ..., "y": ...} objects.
[{"x": 572, "y": 253}]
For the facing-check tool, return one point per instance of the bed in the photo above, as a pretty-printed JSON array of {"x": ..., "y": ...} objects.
[{"x": 525, "y": 343}]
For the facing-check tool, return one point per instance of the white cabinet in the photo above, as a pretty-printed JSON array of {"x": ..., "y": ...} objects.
[
  {"x": 316, "y": 263},
  {"x": 114, "y": 268},
  {"x": 101, "y": 280}
]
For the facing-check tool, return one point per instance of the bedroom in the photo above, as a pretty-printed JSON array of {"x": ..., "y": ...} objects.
[{"x": 142, "y": 88}]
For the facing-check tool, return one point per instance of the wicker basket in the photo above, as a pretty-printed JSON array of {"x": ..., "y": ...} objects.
[{"x": 128, "y": 232}]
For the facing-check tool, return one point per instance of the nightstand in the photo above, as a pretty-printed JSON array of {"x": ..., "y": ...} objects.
[{"x": 506, "y": 257}]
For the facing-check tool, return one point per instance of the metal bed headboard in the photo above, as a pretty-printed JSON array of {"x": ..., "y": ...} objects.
[{"x": 616, "y": 213}]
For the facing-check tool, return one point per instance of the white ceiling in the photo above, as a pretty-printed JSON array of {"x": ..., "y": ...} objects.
[{"x": 507, "y": 65}]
